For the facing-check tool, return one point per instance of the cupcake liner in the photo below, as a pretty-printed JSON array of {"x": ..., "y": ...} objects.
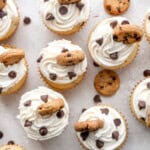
[
  {"x": 126, "y": 125},
  {"x": 145, "y": 31},
  {"x": 14, "y": 147}
]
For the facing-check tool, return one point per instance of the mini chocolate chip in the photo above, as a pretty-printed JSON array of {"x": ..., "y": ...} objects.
[
  {"x": 84, "y": 135},
  {"x": 71, "y": 75},
  {"x": 99, "y": 143},
  {"x": 148, "y": 85},
  {"x": 44, "y": 98},
  {"x": 146, "y": 73},
  {"x": 95, "y": 64},
  {"x": 80, "y": 6},
  {"x": 27, "y": 123},
  {"x": 99, "y": 41},
  {"x": 49, "y": 16},
  {"x": 64, "y": 50},
  {"x": 83, "y": 110},
  {"x": 149, "y": 17},
  {"x": 1, "y": 134},
  {"x": 11, "y": 142},
  {"x": 1, "y": 89},
  {"x": 125, "y": 22},
  {"x": 115, "y": 135},
  {"x": 53, "y": 76},
  {"x": 39, "y": 59},
  {"x": 60, "y": 114},
  {"x": 97, "y": 99},
  {"x": 2, "y": 14},
  {"x": 104, "y": 111},
  {"x": 27, "y": 20},
  {"x": 143, "y": 119},
  {"x": 63, "y": 10},
  {"x": 27, "y": 103},
  {"x": 113, "y": 24},
  {"x": 12, "y": 74},
  {"x": 117, "y": 122},
  {"x": 115, "y": 37},
  {"x": 43, "y": 131},
  {"x": 114, "y": 56},
  {"x": 142, "y": 105}
]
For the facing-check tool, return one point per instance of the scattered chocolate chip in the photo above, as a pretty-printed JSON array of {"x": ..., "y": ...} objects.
[
  {"x": 146, "y": 73},
  {"x": 83, "y": 110},
  {"x": 64, "y": 50},
  {"x": 104, "y": 111},
  {"x": 95, "y": 64},
  {"x": 149, "y": 17},
  {"x": 99, "y": 143},
  {"x": 1, "y": 134},
  {"x": 80, "y": 6},
  {"x": 142, "y": 105},
  {"x": 27, "y": 123},
  {"x": 53, "y": 76},
  {"x": 97, "y": 99},
  {"x": 99, "y": 41},
  {"x": 39, "y": 59},
  {"x": 115, "y": 37},
  {"x": 1, "y": 89},
  {"x": 114, "y": 56},
  {"x": 63, "y": 10},
  {"x": 143, "y": 119},
  {"x": 115, "y": 135},
  {"x": 125, "y": 22},
  {"x": 27, "y": 20},
  {"x": 46, "y": 0},
  {"x": 43, "y": 131},
  {"x": 12, "y": 74},
  {"x": 60, "y": 114},
  {"x": 148, "y": 85},
  {"x": 84, "y": 135},
  {"x": 2, "y": 14},
  {"x": 113, "y": 24},
  {"x": 49, "y": 17},
  {"x": 117, "y": 122},
  {"x": 71, "y": 75},
  {"x": 44, "y": 98},
  {"x": 27, "y": 103},
  {"x": 11, "y": 142}
]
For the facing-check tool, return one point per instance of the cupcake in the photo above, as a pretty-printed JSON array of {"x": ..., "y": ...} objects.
[
  {"x": 11, "y": 147},
  {"x": 104, "y": 48},
  {"x": 13, "y": 69},
  {"x": 139, "y": 102},
  {"x": 62, "y": 65},
  {"x": 147, "y": 25},
  {"x": 9, "y": 18},
  {"x": 43, "y": 113},
  {"x": 101, "y": 127},
  {"x": 64, "y": 16}
]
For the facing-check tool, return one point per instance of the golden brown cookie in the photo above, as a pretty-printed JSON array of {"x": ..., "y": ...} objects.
[
  {"x": 70, "y": 58},
  {"x": 50, "y": 107},
  {"x": 11, "y": 147},
  {"x": 116, "y": 7},
  {"x": 107, "y": 82},
  {"x": 148, "y": 116},
  {"x": 2, "y": 4},
  {"x": 68, "y": 1},
  {"x": 89, "y": 125},
  {"x": 12, "y": 56}
]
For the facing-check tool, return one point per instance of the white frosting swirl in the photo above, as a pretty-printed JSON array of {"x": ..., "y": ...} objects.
[
  {"x": 147, "y": 22},
  {"x": 141, "y": 93},
  {"x": 11, "y": 14},
  {"x": 66, "y": 22},
  {"x": 54, "y": 125},
  {"x": 49, "y": 64},
  {"x": 20, "y": 68},
  {"x": 104, "y": 134},
  {"x": 101, "y": 54}
]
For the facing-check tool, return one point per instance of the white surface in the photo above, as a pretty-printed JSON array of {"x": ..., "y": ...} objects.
[{"x": 34, "y": 37}]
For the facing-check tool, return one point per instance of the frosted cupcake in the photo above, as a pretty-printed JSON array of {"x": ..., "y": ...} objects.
[
  {"x": 101, "y": 127},
  {"x": 62, "y": 65},
  {"x": 13, "y": 69},
  {"x": 105, "y": 50},
  {"x": 9, "y": 18},
  {"x": 147, "y": 25},
  {"x": 43, "y": 113},
  {"x": 64, "y": 16},
  {"x": 140, "y": 103}
]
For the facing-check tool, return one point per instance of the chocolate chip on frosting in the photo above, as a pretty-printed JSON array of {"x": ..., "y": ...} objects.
[
  {"x": 99, "y": 41},
  {"x": 63, "y": 10},
  {"x": 99, "y": 143},
  {"x": 117, "y": 122},
  {"x": 148, "y": 85},
  {"x": 80, "y": 5},
  {"x": 27, "y": 103},
  {"x": 60, "y": 114},
  {"x": 53, "y": 76},
  {"x": 12, "y": 74},
  {"x": 2, "y": 14},
  {"x": 115, "y": 135},
  {"x": 97, "y": 99},
  {"x": 71, "y": 75},
  {"x": 83, "y": 110},
  {"x": 113, "y": 24},
  {"x": 44, "y": 98},
  {"x": 49, "y": 16},
  {"x": 142, "y": 105},
  {"x": 114, "y": 56},
  {"x": 105, "y": 111},
  {"x": 125, "y": 22},
  {"x": 39, "y": 59},
  {"x": 27, "y": 123},
  {"x": 64, "y": 50},
  {"x": 84, "y": 135},
  {"x": 43, "y": 131}
]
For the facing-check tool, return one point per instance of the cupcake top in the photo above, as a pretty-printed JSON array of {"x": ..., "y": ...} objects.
[
  {"x": 102, "y": 46},
  {"x": 111, "y": 132},
  {"x": 8, "y": 13},
  {"x": 147, "y": 22},
  {"x": 63, "y": 17},
  {"x": 141, "y": 100},
  {"x": 62, "y": 62},
  {"x": 43, "y": 114},
  {"x": 12, "y": 67}
]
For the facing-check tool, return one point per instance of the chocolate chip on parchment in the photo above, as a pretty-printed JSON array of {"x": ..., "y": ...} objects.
[
  {"x": 148, "y": 85},
  {"x": 44, "y": 98},
  {"x": 142, "y": 105},
  {"x": 99, "y": 41},
  {"x": 143, "y": 119},
  {"x": 27, "y": 123},
  {"x": 105, "y": 111},
  {"x": 95, "y": 64},
  {"x": 113, "y": 24},
  {"x": 146, "y": 73},
  {"x": 115, "y": 135},
  {"x": 12, "y": 74},
  {"x": 27, "y": 20},
  {"x": 83, "y": 110},
  {"x": 71, "y": 75},
  {"x": 114, "y": 56},
  {"x": 27, "y": 103},
  {"x": 99, "y": 143},
  {"x": 39, "y": 59},
  {"x": 10, "y": 142},
  {"x": 80, "y": 5},
  {"x": 60, "y": 114},
  {"x": 84, "y": 135},
  {"x": 49, "y": 17},
  {"x": 43, "y": 131},
  {"x": 63, "y": 10},
  {"x": 53, "y": 76},
  {"x": 1, "y": 134},
  {"x": 97, "y": 99},
  {"x": 117, "y": 122}
]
